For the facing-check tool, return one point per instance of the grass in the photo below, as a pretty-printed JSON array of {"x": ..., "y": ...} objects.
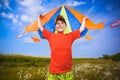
[{"x": 18, "y": 67}]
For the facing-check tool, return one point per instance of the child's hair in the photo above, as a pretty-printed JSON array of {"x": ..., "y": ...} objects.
[{"x": 61, "y": 18}]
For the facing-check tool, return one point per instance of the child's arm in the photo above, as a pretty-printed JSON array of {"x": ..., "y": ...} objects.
[
  {"x": 83, "y": 24},
  {"x": 39, "y": 25}
]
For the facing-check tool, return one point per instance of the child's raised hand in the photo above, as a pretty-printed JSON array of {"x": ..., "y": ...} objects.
[
  {"x": 86, "y": 17},
  {"x": 39, "y": 23}
]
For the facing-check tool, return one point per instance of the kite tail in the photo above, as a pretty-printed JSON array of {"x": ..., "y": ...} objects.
[{"x": 20, "y": 35}]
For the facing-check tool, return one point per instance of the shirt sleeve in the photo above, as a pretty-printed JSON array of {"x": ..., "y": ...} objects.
[
  {"x": 47, "y": 34},
  {"x": 75, "y": 34}
]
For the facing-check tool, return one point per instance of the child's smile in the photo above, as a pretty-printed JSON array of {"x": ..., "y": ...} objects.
[{"x": 60, "y": 26}]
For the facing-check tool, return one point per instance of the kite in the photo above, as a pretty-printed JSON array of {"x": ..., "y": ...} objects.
[
  {"x": 115, "y": 24},
  {"x": 35, "y": 39},
  {"x": 88, "y": 37},
  {"x": 73, "y": 19}
]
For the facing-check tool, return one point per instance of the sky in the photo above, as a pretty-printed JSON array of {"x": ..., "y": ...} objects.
[{"x": 15, "y": 15}]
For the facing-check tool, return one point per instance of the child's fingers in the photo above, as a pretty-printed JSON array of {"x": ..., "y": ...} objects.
[{"x": 86, "y": 17}]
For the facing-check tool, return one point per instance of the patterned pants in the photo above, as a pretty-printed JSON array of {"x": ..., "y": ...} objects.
[{"x": 65, "y": 76}]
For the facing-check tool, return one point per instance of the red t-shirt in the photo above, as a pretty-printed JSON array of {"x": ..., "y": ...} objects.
[{"x": 61, "y": 52}]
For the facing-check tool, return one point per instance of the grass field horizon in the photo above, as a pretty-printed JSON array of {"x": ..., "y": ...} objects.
[{"x": 23, "y": 67}]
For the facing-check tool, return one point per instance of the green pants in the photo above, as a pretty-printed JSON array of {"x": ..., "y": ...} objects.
[{"x": 64, "y": 76}]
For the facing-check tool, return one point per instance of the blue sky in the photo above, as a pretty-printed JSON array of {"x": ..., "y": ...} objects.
[{"x": 16, "y": 14}]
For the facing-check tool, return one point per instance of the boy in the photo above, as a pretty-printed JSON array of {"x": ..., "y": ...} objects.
[{"x": 60, "y": 45}]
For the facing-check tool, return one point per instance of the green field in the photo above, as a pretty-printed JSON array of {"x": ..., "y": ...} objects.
[{"x": 19, "y": 67}]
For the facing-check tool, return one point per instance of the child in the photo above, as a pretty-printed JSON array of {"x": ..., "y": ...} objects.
[{"x": 60, "y": 44}]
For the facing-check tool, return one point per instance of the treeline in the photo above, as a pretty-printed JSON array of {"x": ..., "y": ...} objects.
[
  {"x": 21, "y": 58},
  {"x": 12, "y": 60},
  {"x": 115, "y": 57}
]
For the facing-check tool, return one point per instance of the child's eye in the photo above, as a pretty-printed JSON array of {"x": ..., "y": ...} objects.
[
  {"x": 57, "y": 23},
  {"x": 62, "y": 22}
]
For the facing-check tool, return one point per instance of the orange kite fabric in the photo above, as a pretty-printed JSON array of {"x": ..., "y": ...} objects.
[
  {"x": 88, "y": 37},
  {"x": 89, "y": 23},
  {"x": 35, "y": 39},
  {"x": 34, "y": 26}
]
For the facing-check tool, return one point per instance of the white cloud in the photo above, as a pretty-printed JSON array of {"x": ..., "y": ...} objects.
[
  {"x": 75, "y": 3},
  {"x": 31, "y": 9},
  {"x": 26, "y": 3},
  {"x": 28, "y": 39},
  {"x": 15, "y": 21},
  {"x": 11, "y": 16},
  {"x": 6, "y": 3},
  {"x": 26, "y": 18},
  {"x": 3, "y": 14}
]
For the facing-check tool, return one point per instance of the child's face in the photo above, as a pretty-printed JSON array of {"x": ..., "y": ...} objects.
[{"x": 60, "y": 26}]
